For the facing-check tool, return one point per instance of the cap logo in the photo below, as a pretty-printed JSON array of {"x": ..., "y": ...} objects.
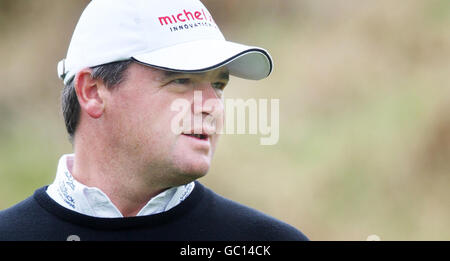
[{"x": 197, "y": 18}]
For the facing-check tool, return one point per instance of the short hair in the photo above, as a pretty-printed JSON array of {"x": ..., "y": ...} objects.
[{"x": 112, "y": 74}]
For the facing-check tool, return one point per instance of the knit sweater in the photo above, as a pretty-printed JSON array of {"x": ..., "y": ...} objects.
[{"x": 203, "y": 216}]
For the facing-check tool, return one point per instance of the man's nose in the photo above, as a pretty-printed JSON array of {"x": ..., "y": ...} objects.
[{"x": 206, "y": 99}]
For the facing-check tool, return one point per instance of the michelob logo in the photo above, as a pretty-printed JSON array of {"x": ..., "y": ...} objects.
[{"x": 186, "y": 16}]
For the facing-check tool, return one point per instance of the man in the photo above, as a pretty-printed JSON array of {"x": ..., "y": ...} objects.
[{"x": 133, "y": 176}]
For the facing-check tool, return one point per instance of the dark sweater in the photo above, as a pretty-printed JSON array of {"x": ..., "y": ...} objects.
[{"x": 203, "y": 216}]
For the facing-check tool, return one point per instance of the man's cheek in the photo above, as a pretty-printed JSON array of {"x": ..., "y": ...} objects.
[{"x": 180, "y": 116}]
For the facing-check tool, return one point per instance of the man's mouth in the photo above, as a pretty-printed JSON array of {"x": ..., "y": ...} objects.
[{"x": 198, "y": 136}]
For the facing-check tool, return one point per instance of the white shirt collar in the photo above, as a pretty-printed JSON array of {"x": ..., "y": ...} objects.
[{"x": 71, "y": 194}]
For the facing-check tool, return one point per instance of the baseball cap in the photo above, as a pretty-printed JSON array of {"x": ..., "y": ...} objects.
[{"x": 174, "y": 35}]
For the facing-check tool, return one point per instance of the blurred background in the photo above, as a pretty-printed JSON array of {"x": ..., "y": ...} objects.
[{"x": 364, "y": 89}]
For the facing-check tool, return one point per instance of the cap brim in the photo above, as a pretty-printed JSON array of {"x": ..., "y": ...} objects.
[{"x": 242, "y": 61}]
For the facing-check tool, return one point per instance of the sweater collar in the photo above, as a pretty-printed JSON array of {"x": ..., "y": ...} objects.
[{"x": 91, "y": 201}]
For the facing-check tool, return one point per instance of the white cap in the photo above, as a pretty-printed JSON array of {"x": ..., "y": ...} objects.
[{"x": 175, "y": 35}]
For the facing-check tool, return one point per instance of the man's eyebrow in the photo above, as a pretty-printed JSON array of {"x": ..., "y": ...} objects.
[
  {"x": 221, "y": 76},
  {"x": 171, "y": 73},
  {"x": 224, "y": 76}
]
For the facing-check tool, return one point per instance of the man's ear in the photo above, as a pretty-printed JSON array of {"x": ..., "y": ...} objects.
[{"x": 89, "y": 93}]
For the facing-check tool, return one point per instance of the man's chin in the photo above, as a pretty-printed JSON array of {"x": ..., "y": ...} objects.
[
  {"x": 190, "y": 171},
  {"x": 191, "y": 165},
  {"x": 195, "y": 172}
]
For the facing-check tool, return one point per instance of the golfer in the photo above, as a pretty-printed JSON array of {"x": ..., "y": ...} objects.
[{"x": 132, "y": 175}]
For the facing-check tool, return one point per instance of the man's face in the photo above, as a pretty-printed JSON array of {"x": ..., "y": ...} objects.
[{"x": 139, "y": 115}]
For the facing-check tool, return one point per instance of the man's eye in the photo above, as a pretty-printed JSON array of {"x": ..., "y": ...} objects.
[
  {"x": 218, "y": 85},
  {"x": 182, "y": 81}
]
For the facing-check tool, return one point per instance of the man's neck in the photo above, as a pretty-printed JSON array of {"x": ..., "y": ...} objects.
[{"x": 121, "y": 181}]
